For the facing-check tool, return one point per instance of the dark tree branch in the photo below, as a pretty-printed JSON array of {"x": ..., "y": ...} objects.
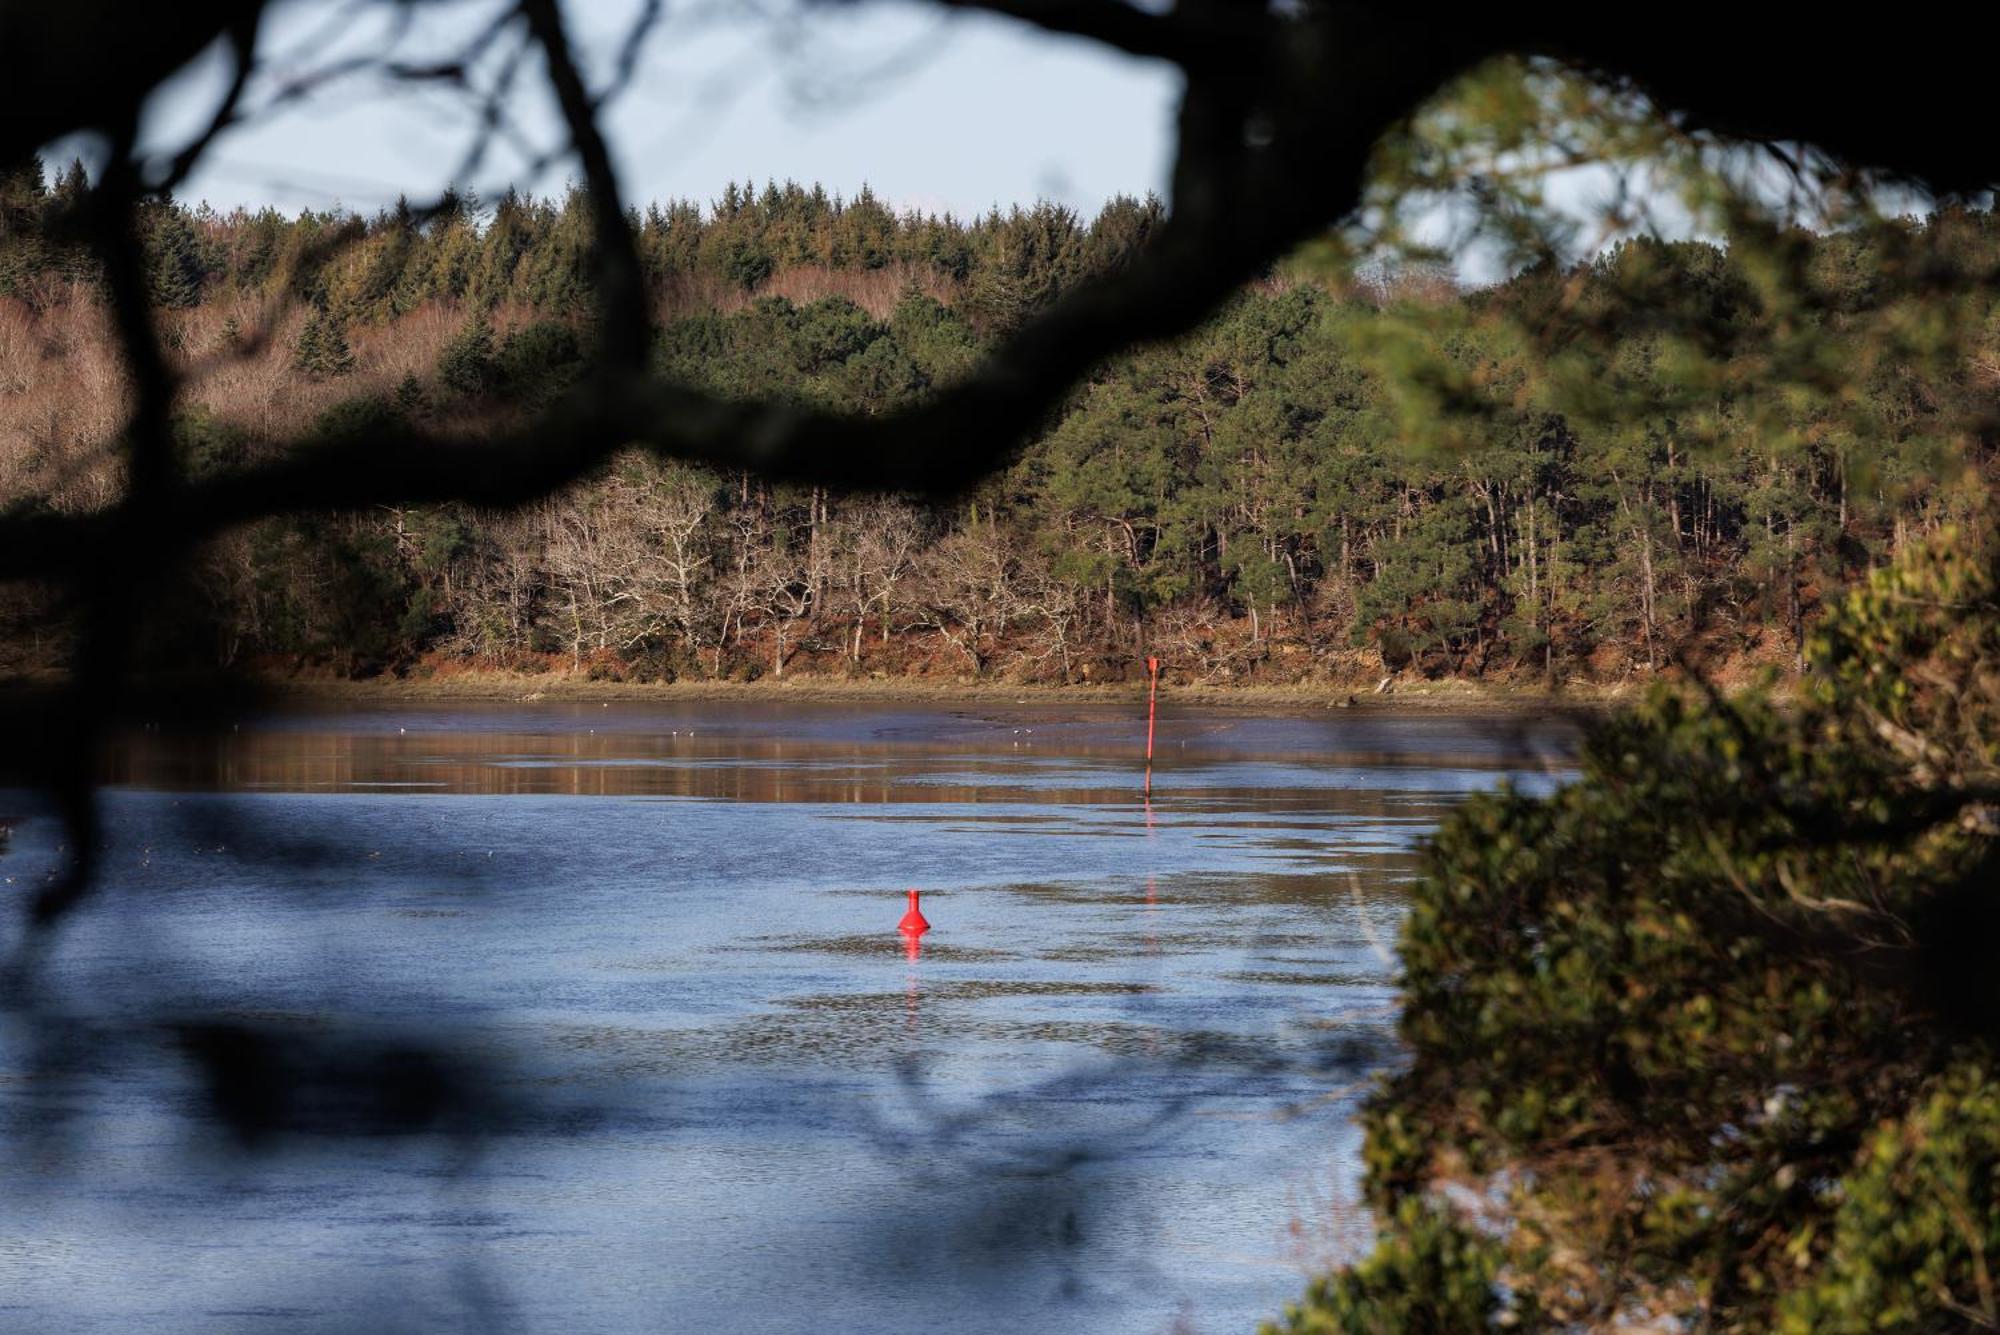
[
  {"x": 621, "y": 283},
  {"x": 243, "y": 47},
  {"x": 90, "y": 64},
  {"x": 629, "y": 51},
  {"x": 1170, "y": 35},
  {"x": 114, "y": 591}
]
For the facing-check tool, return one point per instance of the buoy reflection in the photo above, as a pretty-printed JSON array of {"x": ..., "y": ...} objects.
[{"x": 912, "y": 929}]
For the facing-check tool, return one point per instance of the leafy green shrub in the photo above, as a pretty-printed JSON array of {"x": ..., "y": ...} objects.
[
  {"x": 1431, "y": 1274},
  {"x": 1918, "y": 1227},
  {"x": 828, "y": 333},
  {"x": 206, "y": 444},
  {"x": 1703, "y": 1037},
  {"x": 539, "y": 361},
  {"x": 357, "y": 420}
]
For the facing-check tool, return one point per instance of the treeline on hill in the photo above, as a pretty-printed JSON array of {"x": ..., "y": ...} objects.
[{"x": 1318, "y": 483}]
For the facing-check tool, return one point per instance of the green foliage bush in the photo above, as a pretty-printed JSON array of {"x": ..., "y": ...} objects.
[
  {"x": 538, "y": 361},
  {"x": 1431, "y": 1274},
  {"x": 356, "y": 420},
  {"x": 1918, "y": 1226},
  {"x": 207, "y": 445},
  {"x": 1704, "y": 1037}
]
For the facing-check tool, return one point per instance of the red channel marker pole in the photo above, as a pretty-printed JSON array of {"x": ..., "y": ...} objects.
[{"x": 1152, "y": 708}]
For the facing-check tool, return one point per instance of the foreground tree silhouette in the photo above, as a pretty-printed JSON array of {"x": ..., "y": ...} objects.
[
  {"x": 1706, "y": 1036},
  {"x": 1295, "y": 117}
]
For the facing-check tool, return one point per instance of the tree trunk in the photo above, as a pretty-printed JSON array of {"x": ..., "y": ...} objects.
[{"x": 1646, "y": 567}]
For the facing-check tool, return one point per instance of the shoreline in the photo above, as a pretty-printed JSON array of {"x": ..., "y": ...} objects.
[
  {"x": 479, "y": 686},
  {"x": 1412, "y": 696}
]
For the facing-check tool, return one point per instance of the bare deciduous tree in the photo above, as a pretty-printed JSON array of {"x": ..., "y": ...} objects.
[
  {"x": 673, "y": 510},
  {"x": 881, "y": 548},
  {"x": 969, "y": 593}
]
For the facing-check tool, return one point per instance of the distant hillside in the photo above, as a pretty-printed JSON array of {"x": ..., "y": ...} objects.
[{"x": 1591, "y": 473}]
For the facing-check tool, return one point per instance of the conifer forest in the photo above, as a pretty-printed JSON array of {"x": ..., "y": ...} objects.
[{"x": 1324, "y": 481}]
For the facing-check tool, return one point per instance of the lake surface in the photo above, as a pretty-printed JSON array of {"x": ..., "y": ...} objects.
[{"x": 692, "y": 1079}]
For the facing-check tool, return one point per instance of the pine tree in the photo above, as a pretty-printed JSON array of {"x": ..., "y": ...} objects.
[
  {"x": 322, "y": 350},
  {"x": 174, "y": 263},
  {"x": 23, "y": 195},
  {"x": 72, "y": 185},
  {"x": 22, "y": 190},
  {"x": 467, "y": 364}
]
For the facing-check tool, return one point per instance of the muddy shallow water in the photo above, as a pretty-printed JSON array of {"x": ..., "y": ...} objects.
[{"x": 710, "y": 1089}]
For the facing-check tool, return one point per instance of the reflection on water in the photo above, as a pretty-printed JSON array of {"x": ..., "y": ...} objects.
[{"x": 710, "y": 1088}]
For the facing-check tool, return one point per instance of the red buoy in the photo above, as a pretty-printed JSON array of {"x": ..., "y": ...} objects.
[{"x": 913, "y": 924}]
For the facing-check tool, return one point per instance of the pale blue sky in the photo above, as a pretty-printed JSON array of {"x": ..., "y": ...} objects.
[{"x": 936, "y": 112}]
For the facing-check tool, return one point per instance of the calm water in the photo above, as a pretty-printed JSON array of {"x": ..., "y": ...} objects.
[{"x": 712, "y": 1092}]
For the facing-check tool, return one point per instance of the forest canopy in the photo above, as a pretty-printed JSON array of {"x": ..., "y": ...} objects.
[{"x": 1585, "y": 472}]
